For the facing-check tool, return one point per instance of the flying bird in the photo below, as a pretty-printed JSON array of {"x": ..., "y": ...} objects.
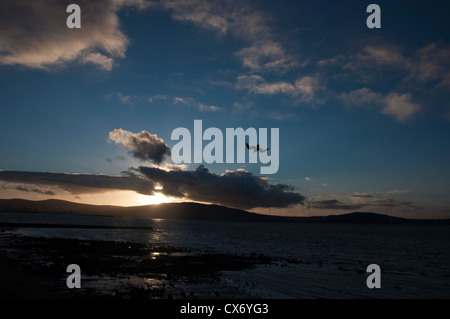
[{"x": 256, "y": 148}]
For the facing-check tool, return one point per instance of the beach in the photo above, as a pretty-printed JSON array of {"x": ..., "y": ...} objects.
[
  {"x": 187, "y": 259},
  {"x": 36, "y": 268}
]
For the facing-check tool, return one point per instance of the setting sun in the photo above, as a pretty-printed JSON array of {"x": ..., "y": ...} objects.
[{"x": 158, "y": 198}]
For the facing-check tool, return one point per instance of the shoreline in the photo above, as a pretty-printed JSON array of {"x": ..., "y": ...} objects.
[
  {"x": 35, "y": 268},
  {"x": 44, "y": 225}
]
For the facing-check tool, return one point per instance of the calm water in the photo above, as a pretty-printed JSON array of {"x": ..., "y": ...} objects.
[{"x": 314, "y": 260}]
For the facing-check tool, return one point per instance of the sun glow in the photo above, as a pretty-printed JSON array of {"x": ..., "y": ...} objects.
[
  {"x": 114, "y": 198},
  {"x": 158, "y": 198}
]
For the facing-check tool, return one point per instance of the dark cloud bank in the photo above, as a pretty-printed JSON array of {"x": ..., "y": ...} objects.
[
  {"x": 80, "y": 183},
  {"x": 239, "y": 189},
  {"x": 233, "y": 188}
]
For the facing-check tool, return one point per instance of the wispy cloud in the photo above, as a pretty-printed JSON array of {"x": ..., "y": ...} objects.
[
  {"x": 124, "y": 98},
  {"x": 398, "y": 191},
  {"x": 120, "y": 158},
  {"x": 266, "y": 56},
  {"x": 332, "y": 204},
  {"x": 427, "y": 68},
  {"x": 304, "y": 88},
  {"x": 359, "y": 201},
  {"x": 361, "y": 195},
  {"x": 397, "y": 105},
  {"x": 23, "y": 188},
  {"x": 187, "y": 101},
  {"x": 263, "y": 52},
  {"x": 431, "y": 63},
  {"x": 388, "y": 56}
]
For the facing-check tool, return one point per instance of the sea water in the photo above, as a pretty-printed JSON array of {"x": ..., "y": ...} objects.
[{"x": 311, "y": 260}]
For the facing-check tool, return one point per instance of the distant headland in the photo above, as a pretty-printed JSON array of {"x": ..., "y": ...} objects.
[{"x": 196, "y": 211}]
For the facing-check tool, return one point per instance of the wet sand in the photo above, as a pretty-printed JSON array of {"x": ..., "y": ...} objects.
[{"x": 36, "y": 268}]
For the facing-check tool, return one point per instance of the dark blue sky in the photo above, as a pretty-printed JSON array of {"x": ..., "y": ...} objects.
[{"x": 364, "y": 114}]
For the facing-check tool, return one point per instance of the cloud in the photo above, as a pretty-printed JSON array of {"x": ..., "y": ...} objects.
[
  {"x": 398, "y": 191},
  {"x": 188, "y": 101},
  {"x": 239, "y": 188},
  {"x": 432, "y": 63},
  {"x": 307, "y": 87},
  {"x": 370, "y": 63},
  {"x": 307, "y": 179},
  {"x": 249, "y": 110},
  {"x": 388, "y": 56},
  {"x": 234, "y": 188},
  {"x": 30, "y": 190},
  {"x": 120, "y": 158},
  {"x": 362, "y": 97},
  {"x": 389, "y": 203},
  {"x": 80, "y": 183},
  {"x": 396, "y": 105},
  {"x": 34, "y": 33},
  {"x": 101, "y": 60},
  {"x": 143, "y": 146},
  {"x": 361, "y": 195},
  {"x": 361, "y": 200},
  {"x": 257, "y": 84},
  {"x": 123, "y": 98},
  {"x": 303, "y": 88},
  {"x": 237, "y": 18},
  {"x": 332, "y": 204},
  {"x": 266, "y": 56},
  {"x": 399, "y": 106},
  {"x": 423, "y": 70}
]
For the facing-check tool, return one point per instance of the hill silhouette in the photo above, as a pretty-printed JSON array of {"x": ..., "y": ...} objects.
[{"x": 190, "y": 210}]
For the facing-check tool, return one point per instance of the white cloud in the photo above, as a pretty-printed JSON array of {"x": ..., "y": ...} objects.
[
  {"x": 101, "y": 60},
  {"x": 209, "y": 108},
  {"x": 307, "y": 86},
  {"x": 262, "y": 51},
  {"x": 399, "y": 106},
  {"x": 188, "y": 101},
  {"x": 307, "y": 179},
  {"x": 383, "y": 55},
  {"x": 34, "y": 33},
  {"x": 304, "y": 88},
  {"x": 361, "y": 97},
  {"x": 266, "y": 56}
]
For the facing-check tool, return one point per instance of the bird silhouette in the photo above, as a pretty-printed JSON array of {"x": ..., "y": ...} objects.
[{"x": 256, "y": 148}]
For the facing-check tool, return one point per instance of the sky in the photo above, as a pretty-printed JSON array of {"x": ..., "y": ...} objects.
[{"x": 87, "y": 114}]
